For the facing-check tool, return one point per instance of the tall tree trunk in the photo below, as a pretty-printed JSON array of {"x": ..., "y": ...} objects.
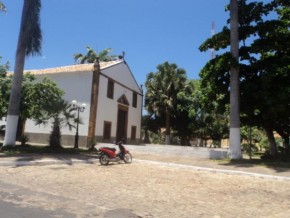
[
  {"x": 286, "y": 144},
  {"x": 29, "y": 43},
  {"x": 15, "y": 96},
  {"x": 285, "y": 136},
  {"x": 55, "y": 135},
  {"x": 20, "y": 128},
  {"x": 146, "y": 136},
  {"x": 272, "y": 142},
  {"x": 167, "y": 132},
  {"x": 94, "y": 103},
  {"x": 235, "y": 152}
]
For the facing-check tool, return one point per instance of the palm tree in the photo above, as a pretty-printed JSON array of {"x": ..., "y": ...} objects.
[
  {"x": 94, "y": 103},
  {"x": 2, "y": 7},
  {"x": 29, "y": 43},
  {"x": 162, "y": 88},
  {"x": 235, "y": 132},
  {"x": 61, "y": 114},
  {"x": 91, "y": 56}
]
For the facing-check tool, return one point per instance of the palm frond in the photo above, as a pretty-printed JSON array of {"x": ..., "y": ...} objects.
[
  {"x": 30, "y": 27},
  {"x": 2, "y": 7},
  {"x": 77, "y": 57},
  {"x": 92, "y": 55}
]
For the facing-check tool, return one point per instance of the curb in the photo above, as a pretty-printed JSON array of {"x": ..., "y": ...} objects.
[
  {"x": 213, "y": 170},
  {"x": 165, "y": 164}
]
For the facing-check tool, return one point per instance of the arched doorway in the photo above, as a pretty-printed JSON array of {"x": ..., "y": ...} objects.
[{"x": 122, "y": 119}]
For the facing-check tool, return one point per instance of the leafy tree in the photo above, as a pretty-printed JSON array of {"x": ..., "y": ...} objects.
[
  {"x": 264, "y": 67},
  {"x": 182, "y": 122},
  {"x": 36, "y": 95},
  {"x": 29, "y": 43},
  {"x": 3, "y": 88},
  {"x": 3, "y": 68},
  {"x": 162, "y": 89},
  {"x": 91, "y": 56},
  {"x": 206, "y": 121},
  {"x": 149, "y": 124},
  {"x": 33, "y": 99},
  {"x": 191, "y": 117}
]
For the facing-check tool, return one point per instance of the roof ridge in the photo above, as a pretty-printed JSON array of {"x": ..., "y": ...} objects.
[{"x": 73, "y": 68}]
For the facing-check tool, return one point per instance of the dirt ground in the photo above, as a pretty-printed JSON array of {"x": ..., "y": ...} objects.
[{"x": 143, "y": 190}]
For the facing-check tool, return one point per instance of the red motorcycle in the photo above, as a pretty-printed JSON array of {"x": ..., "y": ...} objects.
[{"x": 108, "y": 154}]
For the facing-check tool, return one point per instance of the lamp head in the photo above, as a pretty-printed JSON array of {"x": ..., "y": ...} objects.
[{"x": 74, "y": 102}]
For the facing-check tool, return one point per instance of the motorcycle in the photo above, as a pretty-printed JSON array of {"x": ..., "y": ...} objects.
[{"x": 108, "y": 154}]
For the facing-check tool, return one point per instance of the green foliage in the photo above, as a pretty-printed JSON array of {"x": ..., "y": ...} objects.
[
  {"x": 191, "y": 115},
  {"x": 40, "y": 101},
  {"x": 157, "y": 138},
  {"x": 252, "y": 134},
  {"x": 2, "y": 7},
  {"x": 40, "y": 97},
  {"x": 30, "y": 30},
  {"x": 3, "y": 68},
  {"x": 264, "y": 67},
  {"x": 55, "y": 135},
  {"x": 91, "y": 56},
  {"x": 92, "y": 143},
  {"x": 163, "y": 88},
  {"x": 34, "y": 98},
  {"x": 249, "y": 149},
  {"x": 61, "y": 114},
  {"x": 29, "y": 43},
  {"x": 208, "y": 121},
  {"x": 24, "y": 139},
  {"x": 60, "y": 111},
  {"x": 5, "y": 84},
  {"x": 150, "y": 125}
]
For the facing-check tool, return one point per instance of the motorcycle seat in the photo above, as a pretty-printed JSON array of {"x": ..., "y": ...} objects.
[{"x": 112, "y": 149}]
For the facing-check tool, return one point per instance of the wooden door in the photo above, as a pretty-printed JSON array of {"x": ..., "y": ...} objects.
[{"x": 122, "y": 124}]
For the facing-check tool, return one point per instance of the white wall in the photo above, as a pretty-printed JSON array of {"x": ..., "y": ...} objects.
[
  {"x": 2, "y": 121},
  {"x": 77, "y": 86},
  {"x": 121, "y": 74}
]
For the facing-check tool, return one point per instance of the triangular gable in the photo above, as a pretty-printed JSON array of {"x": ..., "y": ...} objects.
[
  {"x": 123, "y": 100},
  {"x": 122, "y": 74}
]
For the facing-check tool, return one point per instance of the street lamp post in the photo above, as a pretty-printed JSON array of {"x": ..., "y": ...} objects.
[{"x": 79, "y": 108}]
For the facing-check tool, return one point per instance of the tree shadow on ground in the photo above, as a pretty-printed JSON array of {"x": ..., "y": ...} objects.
[
  {"x": 277, "y": 165},
  {"x": 33, "y": 155}
]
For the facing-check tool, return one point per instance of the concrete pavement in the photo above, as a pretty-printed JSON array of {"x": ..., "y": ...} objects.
[{"x": 172, "y": 156}]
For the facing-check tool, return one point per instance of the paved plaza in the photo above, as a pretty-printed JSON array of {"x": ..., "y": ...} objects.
[{"x": 150, "y": 187}]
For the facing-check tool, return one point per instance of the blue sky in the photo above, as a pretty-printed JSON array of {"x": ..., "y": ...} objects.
[{"x": 150, "y": 32}]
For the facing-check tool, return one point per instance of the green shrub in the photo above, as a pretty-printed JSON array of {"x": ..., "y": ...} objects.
[
  {"x": 24, "y": 139},
  {"x": 249, "y": 149}
]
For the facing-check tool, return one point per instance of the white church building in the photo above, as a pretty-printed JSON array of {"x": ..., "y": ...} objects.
[{"x": 119, "y": 107}]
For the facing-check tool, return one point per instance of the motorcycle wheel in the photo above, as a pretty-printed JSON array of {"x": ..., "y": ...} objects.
[
  {"x": 104, "y": 159},
  {"x": 128, "y": 158}
]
